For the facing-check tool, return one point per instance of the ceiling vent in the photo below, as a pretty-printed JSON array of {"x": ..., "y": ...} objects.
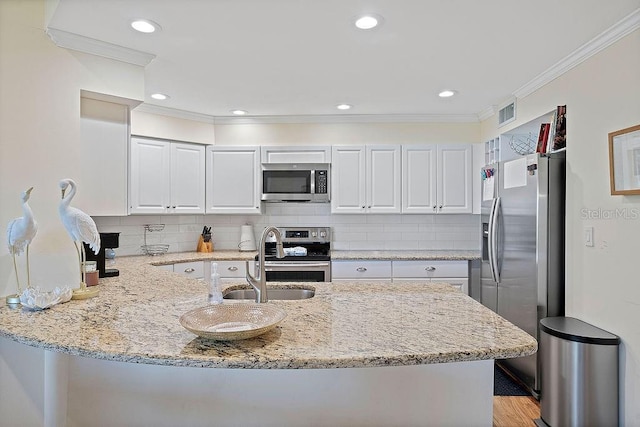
[{"x": 507, "y": 113}]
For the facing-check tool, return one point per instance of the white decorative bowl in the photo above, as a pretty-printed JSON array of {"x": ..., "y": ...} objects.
[
  {"x": 36, "y": 299},
  {"x": 229, "y": 322}
]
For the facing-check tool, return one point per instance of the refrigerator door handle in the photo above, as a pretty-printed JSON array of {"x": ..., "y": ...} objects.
[
  {"x": 494, "y": 240},
  {"x": 490, "y": 242}
]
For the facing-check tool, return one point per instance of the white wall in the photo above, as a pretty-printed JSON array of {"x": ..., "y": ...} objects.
[
  {"x": 346, "y": 133},
  {"x": 177, "y": 129},
  {"x": 40, "y": 132},
  {"x": 602, "y": 95}
]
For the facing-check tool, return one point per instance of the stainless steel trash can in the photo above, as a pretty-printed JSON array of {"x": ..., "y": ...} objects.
[{"x": 579, "y": 374}]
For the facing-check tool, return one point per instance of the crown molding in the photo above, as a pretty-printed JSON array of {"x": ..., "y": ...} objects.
[
  {"x": 605, "y": 39},
  {"x": 487, "y": 112},
  {"x": 84, "y": 44}
]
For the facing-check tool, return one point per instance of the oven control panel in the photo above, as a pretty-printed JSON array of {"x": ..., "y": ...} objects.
[{"x": 306, "y": 234}]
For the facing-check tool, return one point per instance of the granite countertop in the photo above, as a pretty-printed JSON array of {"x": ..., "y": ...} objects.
[
  {"x": 135, "y": 318},
  {"x": 407, "y": 255}
]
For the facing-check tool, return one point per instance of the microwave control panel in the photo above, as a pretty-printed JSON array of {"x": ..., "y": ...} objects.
[{"x": 321, "y": 181}]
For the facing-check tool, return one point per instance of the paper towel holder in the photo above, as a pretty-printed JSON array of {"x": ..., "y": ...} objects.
[{"x": 247, "y": 239}]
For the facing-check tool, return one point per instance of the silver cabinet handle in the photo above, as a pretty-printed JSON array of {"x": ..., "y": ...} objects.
[
  {"x": 440, "y": 207},
  {"x": 361, "y": 269},
  {"x": 430, "y": 268},
  {"x": 363, "y": 207},
  {"x": 234, "y": 268},
  {"x": 434, "y": 207},
  {"x": 189, "y": 270}
]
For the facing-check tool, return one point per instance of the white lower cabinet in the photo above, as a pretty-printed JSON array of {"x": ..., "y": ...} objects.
[
  {"x": 360, "y": 270},
  {"x": 194, "y": 269},
  {"x": 232, "y": 270},
  {"x": 454, "y": 272}
]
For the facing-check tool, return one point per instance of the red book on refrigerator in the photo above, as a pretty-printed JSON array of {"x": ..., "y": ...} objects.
[{"x": 543, "y": 136}]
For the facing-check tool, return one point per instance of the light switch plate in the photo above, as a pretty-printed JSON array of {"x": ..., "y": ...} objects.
[{"x": 588, "y": 236}]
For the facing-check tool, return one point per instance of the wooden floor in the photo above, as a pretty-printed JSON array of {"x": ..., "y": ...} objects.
[{"x": 515, "y": 411}]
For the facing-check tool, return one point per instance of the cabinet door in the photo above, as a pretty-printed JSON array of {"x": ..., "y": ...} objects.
[
  {"x": 348, "y": 179},
  {"x": 150, "y": 180},
  {"x": 454, "y": 178},
  {"x": 187, "y": 178},
  {"x": 233, "y": 180},
  {"x": 232, "y": 270},
  {"x": 419, "y": 178},
  {"x": 363, "y": 270},
  {"x": 194, "y": 269},
  {"x": 383, "y": 178},
  {"x": 296, "y": 154}
]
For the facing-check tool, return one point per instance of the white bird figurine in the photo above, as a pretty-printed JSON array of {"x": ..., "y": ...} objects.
[
  {"x": 20, "y": 233},
  {"x": 81, "y": 228}
]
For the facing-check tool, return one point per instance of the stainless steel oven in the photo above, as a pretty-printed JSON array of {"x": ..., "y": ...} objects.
[{"x": 308, "y": 256}]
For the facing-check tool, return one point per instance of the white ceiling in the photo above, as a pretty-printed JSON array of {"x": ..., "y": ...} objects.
[{"x": 303, "y": 57}]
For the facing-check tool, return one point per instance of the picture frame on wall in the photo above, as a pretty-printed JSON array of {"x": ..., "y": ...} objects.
[{"x": 624, "y": 161}]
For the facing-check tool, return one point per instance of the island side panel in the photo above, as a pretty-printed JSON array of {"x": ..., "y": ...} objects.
[
  {"x": 436, "y": 394},
  {"x": 22, "y": 383}
]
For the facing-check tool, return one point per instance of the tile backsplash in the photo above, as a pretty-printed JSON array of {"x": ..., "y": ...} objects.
[{"x": 355, "y": 232}]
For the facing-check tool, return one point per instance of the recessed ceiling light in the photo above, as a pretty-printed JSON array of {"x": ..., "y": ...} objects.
[
  {"x": 367, "y": 22},
  {"x": 447, "y": 93},
  {"x": 239, "y": 112},
  {"x": 160, "y": 96},
  {"x": 145, "y": 26},
  {"x": 343, "y": 107}
]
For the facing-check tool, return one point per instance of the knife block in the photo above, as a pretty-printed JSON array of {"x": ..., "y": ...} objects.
[{"x": 204, "y": 246}]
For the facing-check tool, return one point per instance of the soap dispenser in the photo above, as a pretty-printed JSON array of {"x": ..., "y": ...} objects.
[{"x": 215, "y": 291}]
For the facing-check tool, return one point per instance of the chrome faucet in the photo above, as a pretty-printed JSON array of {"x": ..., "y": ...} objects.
[{"x": 259, "y": 283}]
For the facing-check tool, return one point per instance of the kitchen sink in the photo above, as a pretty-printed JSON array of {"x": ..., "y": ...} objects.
[{"x": 272, "y": 293}]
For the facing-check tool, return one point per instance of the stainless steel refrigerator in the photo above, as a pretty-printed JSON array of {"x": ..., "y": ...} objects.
[{"x": 522, "y": 232}]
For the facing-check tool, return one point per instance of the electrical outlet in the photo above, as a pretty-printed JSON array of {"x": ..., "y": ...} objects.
[{"x": 588, "y": 236}]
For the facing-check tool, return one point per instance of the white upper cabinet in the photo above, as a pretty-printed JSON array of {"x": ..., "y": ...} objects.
[
  {"x": 454, "y": 178},
  {"x": 366, "y": 179},
  {"x": 166, "y": 177},
  {"x": 296, "y": 154},
  {"x": 233, "y": 180},
  {"x": 419, "y": 178},
  {"x": 348, "y": 179},
  {"x": 437, "y": 178},
  {"x": 187, "y": 178}
]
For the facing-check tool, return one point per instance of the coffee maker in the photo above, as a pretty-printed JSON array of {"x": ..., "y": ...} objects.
[{"x": 107, "y": 241}]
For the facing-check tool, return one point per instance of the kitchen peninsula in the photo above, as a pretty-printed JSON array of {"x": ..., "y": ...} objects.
[{"x": 357, "y": 353}]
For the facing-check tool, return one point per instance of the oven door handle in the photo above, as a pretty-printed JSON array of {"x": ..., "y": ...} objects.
[{"x": 296, "y": 264}]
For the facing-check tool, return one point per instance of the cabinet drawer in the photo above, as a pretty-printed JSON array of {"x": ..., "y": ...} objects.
[
  {"x": 361, "y": 270},
  {"x": 429, "y": 269},
  {"x": 190, "y": 269},
  {"x": 231, "y": 269}
]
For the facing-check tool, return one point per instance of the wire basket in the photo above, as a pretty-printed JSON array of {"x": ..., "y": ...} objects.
[
  {"x": 155, "y": 249},
  {"x": 158, "y": 249},
  {"x": 523, "y": 144}
]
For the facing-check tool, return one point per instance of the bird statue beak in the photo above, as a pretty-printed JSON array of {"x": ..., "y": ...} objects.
[
  {"x": 63, "y": 193},
  {"x": 29, "y": 191}
]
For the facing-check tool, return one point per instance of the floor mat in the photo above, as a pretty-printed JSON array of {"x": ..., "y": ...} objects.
[{"x": 505, "y": 386}]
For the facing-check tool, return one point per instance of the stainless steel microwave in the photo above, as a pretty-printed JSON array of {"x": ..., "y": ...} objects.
[{"x": 296, "y": 182}]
